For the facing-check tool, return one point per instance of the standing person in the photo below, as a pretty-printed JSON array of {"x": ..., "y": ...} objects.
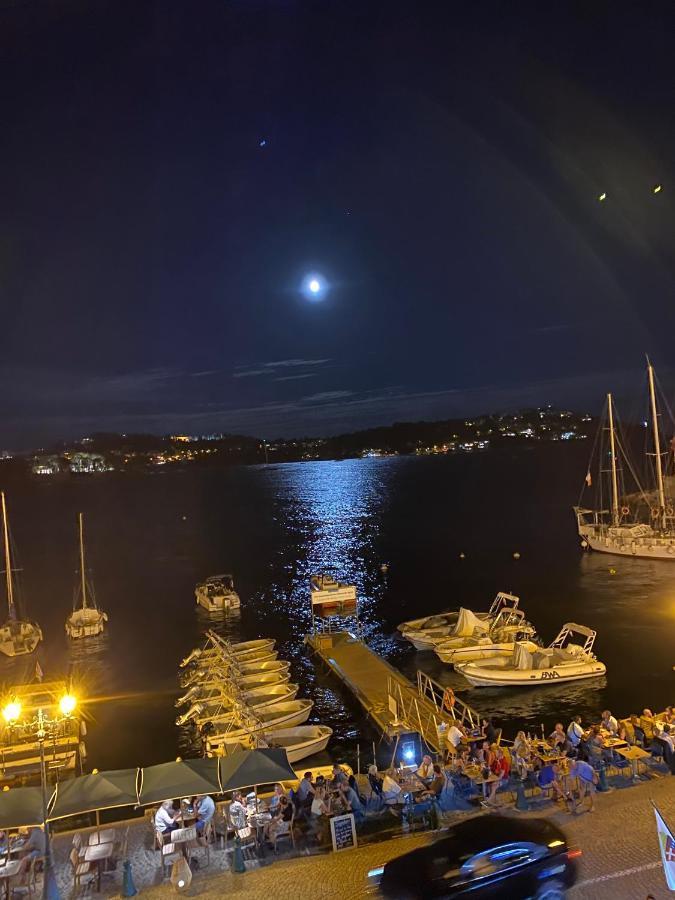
[
  {"x": 586, "y": 779},
  {"x": 575, "y": 733},
  {"x": 491, "y": 733},
  {"x": 237, "y": 811}
]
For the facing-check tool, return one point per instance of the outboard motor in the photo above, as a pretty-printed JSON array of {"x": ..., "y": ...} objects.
[
  {"x": 194, "y": 711},
  {"x": 194, "y": 676},
  {"x": 187, "y": 696},
  {"x": 191, "y": 657}
]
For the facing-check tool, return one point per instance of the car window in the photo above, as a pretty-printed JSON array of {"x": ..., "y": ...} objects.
[{"x": 498, "y": 859}]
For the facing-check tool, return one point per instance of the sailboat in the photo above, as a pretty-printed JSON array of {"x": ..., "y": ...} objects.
[
  {"x": 17, "y": 636},
  {"x": 86, "y": 619},
  {"x": 640, "y": 524}
]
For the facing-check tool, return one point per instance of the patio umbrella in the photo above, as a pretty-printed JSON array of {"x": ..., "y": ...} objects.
[
  {"x": 250, "y": 768},
  {"x": 102, "y": 790},
  {"x": 21, "y": 806},
  {"x": 185, "y": 778}
]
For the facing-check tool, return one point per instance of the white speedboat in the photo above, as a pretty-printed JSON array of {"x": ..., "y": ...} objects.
[
  {"x": 508, "y": 628},
  {"x": 86, "y": 619},
  {"x": 225, "y": 708},
  {"x": 217, "y": 594},
  {"x": 425, "y": 633},
  {"x": 17, "y": 636},
  {"x": 562, "y": 660},
  {"x": 281, "y": 715}
]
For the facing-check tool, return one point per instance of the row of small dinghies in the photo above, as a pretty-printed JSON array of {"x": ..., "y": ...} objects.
[
  {"x": 501, "y": 648},
  {"x": 240, "y": 695}
]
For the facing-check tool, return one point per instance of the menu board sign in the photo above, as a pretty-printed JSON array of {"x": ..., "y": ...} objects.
[{"x": 343, "y": 832}]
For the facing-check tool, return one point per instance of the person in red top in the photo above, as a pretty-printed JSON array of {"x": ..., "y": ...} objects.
[{"x": 500, "y": 767}]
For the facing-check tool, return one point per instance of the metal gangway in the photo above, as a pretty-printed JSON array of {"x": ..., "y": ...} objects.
[{"x": 429, "y": 709}]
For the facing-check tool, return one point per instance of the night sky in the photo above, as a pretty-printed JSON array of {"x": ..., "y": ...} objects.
[{"x": 171, "y": 172}]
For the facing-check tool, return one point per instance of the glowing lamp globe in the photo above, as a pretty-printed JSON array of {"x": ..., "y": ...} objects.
[
  {"x": 11, "y": 712},
  {"x": 67, "y": 704}
]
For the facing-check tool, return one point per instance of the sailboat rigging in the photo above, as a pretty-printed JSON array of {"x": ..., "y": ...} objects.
[
  {"x": 17, "y": 636},
  {"x": 86, "y": 619},
  {"x": 640, "y": 524}
]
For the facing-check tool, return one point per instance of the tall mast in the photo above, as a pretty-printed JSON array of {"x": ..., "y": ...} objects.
[
  {"x": 657, "y": 447},
  {"x": 612, "y": 445},
  {"x": 84, "y": 580},
  {"x": 8, "y": 561}
]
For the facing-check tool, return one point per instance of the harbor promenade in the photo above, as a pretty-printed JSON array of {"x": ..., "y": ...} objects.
[
  {"x": 620, "y": 854},
  {"x": 620, "y": 858}
]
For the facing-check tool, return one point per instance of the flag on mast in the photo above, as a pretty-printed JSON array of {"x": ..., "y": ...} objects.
[
  {"x": 667, "y": 846},
  {"x": 39, "y": 675}
]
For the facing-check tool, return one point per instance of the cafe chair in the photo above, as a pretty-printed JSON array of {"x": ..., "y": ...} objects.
[
  {"x": 168, "y": 852},
  {"x": 79, "y": 845},
  {"x": 27, "y": 887},
  {"x": 284, "y": 832},
  {"x": 83, "y": 872}
]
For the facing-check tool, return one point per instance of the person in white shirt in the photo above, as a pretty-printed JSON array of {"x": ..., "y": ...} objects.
[
  {"x": 165, "y": 818},
  {"x": 575, "y": 732},
  {"x": 667, "y": 737},
  {"x": 609, "y": 723},
  {"x": 237, "y": 811},
  {"x": 454, "y": 738}
]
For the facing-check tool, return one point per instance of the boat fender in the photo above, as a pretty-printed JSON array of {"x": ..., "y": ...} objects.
[
  {"x": 448, "y": 699},
  {"x": 655, "y": 513},
  {"x": 669, "y": 511},
  {"x": 625, "y": 510}
]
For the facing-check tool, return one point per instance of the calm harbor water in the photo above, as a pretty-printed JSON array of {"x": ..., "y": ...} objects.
[{"x": 151, "y": 537}]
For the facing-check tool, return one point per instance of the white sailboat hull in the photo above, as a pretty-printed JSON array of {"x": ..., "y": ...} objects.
[
  {"x": 653, "y": 547},
  {"x": 457, "y": 655},
  {"x": 87, "y": 622},
  {"x": 18, "y": 638}
]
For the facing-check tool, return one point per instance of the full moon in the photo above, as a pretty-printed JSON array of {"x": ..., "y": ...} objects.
[{"x": 314, "y": 286}]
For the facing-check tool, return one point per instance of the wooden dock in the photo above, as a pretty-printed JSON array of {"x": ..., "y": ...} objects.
[{"x": 395, "y": 705}]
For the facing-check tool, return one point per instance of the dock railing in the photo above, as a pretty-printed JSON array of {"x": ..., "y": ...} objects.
[
  {"x": 448, "y": 706},
  {"x": 411, "y": 711}
]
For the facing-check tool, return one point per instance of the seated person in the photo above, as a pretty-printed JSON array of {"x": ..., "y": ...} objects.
[
  {"x": 276, "y": 797},
  {"x": 522, "y": 753},
  {"x": 426, "y": 770},
  {"x": 668, "y": 716},
  {"x": 237, "y": 812},
  {"x": 454, "y": 737},
  {"x": 648, "y": 726},
  {"x": 609, "y": 723},
  {"x": 491, "y": 733},
  {"x": 305, "y": 792},
  {"x": 165, "y": 818},
  {"x": 633, "y": 725},
  {"x": 575, "y": 733},
  {"x": 33, "y": 848},
  {"x": 548, "y": 779},
  {"x": 557, "y": 738},
  {"x": 374, "y": 781},
  {"x": 320, "y": 803},
  {"x": 205, "y": 809},
  {"x": 339, "y": 777},
  {"x": 280, "y": 819},
  {"x": 352, "y": 801},
  {"x": 500, "y": 768},
  {"x": 437, "y": 784},
  {"x": 595, "y": 747}
]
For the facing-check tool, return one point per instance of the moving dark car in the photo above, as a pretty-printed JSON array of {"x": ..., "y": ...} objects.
[{"x": 487, "y": 856}]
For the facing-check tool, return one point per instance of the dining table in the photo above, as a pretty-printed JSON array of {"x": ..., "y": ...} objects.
[
  {"x": 634, "y": 754},
  {"x": 9, "y": 870}
]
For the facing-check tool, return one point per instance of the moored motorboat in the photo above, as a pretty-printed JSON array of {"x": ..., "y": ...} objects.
[
  {"x": 225, "y": 708},
  {"x": 529, "y": 664},
  {"x": 509, "y": 628},
  {"x": 299, "y": 742},
  {"x": 216, "y": 674},
  {"x": 217, "y": 594},
  {"x": 224, "y": 649},
  {"x": 426, "y": 632},
  {"x": 294, "y": 712}
]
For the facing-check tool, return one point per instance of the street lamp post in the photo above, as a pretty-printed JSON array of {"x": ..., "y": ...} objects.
[{"x": 41, "y": 726}]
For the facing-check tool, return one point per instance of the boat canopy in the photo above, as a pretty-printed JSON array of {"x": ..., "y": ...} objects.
[
  {"x": 522, "y": 658},
  {"x": 468, "y": 623}
]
